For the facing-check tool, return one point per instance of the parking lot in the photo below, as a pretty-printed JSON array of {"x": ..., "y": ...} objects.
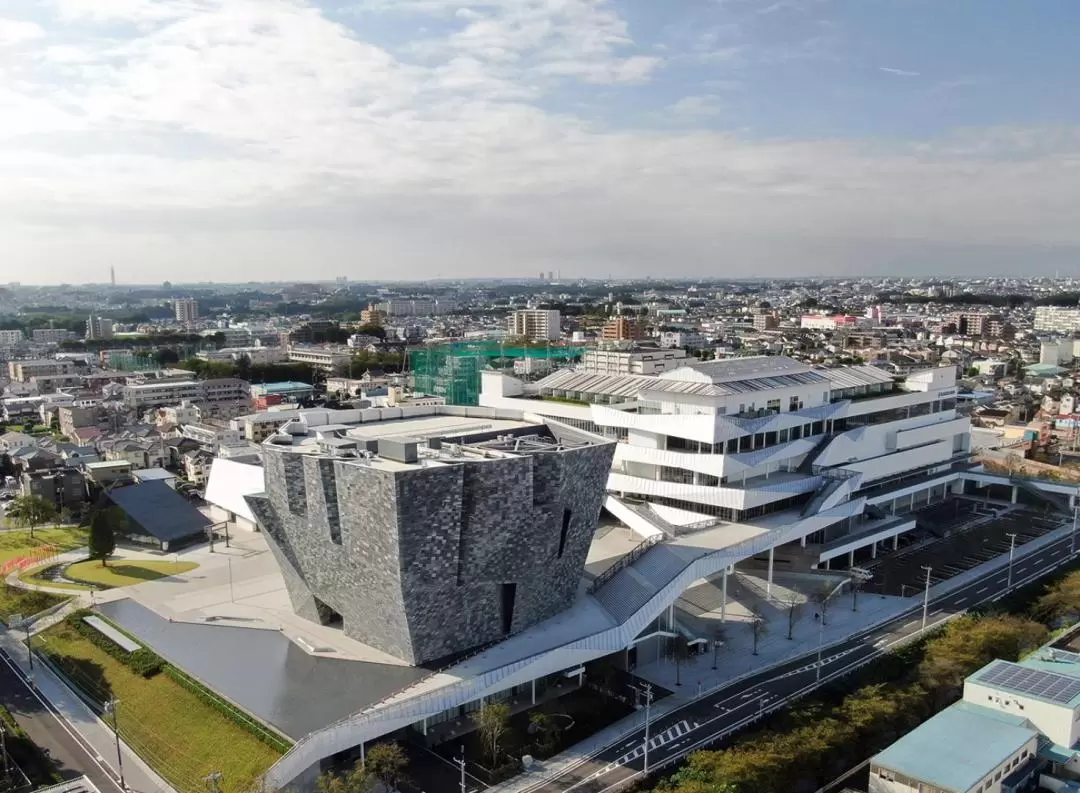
[{"x": 974, "y": 536}]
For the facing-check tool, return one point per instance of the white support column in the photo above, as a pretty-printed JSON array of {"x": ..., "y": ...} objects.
[
  {"x": 802, "y": 541},
  {"x": 827, "y": 563},
  {"x": 425, "y": 726},
  {"x": 768, "y": 580},
  {"x": 723, "y": 601},
  {"x": 1014, "y": 492},
  {"x": 534, "y": 691},
  {"x": 895, "y": 541},
  {"x": 873, "y": 550},
  {"x": 851, "y": 558},
  {"x": 671, "y": 617}
]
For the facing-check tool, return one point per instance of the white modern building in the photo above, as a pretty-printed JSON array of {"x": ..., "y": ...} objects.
[
  {"x": 744, "y": 439},
  {"x": 535, "y": 324},
  {"x": 1057, "y": 319},
  {"x": 717, "y": 463}
]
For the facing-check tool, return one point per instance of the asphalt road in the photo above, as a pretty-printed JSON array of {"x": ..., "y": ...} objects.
[
  {"x": 700, "y": 723},
  {"x": 45, "y": 728}
]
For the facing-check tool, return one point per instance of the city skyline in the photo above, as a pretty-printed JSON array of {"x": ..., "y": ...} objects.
[{"x": 233, "y": 141}]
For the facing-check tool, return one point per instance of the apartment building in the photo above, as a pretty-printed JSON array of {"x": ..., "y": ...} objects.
[
  {"x": 624, "y": 329},
  {"x": 22, "y": 371},
  {"x": 186, "y": 310},
  {"x": 1057, "y": 319},
  {"x": 156, "y": 393},
  {"x": 424, "y": 307},
  {"x": 99, "y": 328},
  {"x": 50, "y": 335},
  {"x": 682, "y": 339},
  {"x": 325, "y": 358},
  {"x": 212, "y": 395},
  {"x": 971, "y": 323},
  {"x": 641, "y": 361},
  {"x": 535, "y": 324},
  {"x": 11, "y": 338}
]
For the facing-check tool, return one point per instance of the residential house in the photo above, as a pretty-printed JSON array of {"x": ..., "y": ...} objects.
[{"x": 197, "y": 465}]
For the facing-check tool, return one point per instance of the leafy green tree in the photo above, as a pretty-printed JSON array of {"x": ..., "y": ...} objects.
[
  {"x": 493, "y": 720},
  {"x": 30, "y": 512},
  {"x": 385, "y": 762},
  {"x": 103, "y": 528}
]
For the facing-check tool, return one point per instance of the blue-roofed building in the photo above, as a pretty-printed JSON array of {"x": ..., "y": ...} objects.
[
  {"x": 1018, "y": 724},
  {"x": 966, "y": 748},
  {"x": 292, "y": 391}
]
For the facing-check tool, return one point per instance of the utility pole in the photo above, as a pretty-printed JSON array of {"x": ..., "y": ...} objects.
[
  {"x": 213, "y": 781},
  {"x": 648, "y": 704},
  {"x": 461, "y": 765},
  {"x": 1012, "y": 551},
  {"x": 231, "y": 596},
  {"x": 1076, "y": 511},
  {"x": 926, "y": 596},
  {"x": 820, "y": 642},
  {"x": 3, "y": 751},
  {"x": 29, "y": 646},
  {"x": 110, "y": 708}
]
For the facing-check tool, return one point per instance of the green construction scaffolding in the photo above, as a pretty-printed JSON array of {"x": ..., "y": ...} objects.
[{"x": 453, "y": 370}]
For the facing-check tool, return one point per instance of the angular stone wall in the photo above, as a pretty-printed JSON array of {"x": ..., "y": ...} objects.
[{"x": 423, "y": 563}]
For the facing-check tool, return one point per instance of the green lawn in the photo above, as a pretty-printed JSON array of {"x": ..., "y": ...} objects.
[
  {"x": 174, "y": 731},
  {"x": 126, "y": 573},
  {"x": 17, "y": 542},
  {"x": 27, "y": 602}
]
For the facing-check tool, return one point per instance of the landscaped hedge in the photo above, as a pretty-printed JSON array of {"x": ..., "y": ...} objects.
[
  {"x": 143, "y": 661},
  {"x": 148, "y": 663},
  {"x": 227, "y": 709}
]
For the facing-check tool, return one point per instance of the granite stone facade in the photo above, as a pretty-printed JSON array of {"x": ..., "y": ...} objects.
[{"x": 424, "y": 562}]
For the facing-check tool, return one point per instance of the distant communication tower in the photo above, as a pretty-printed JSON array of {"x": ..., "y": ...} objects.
[{"x": 112, "y": 274}]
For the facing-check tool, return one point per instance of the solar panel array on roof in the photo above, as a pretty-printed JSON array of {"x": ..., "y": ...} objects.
[{"x": 1034, "y": 682}]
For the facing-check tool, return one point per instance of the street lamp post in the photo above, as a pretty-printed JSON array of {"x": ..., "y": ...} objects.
[
  {"x": 110, "y": 708},
  {"x": 926, "y": 596},
  {"x": 1012, "y": 551}
]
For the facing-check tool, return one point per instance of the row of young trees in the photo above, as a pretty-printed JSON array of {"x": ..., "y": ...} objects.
[
  {"x": 820, "y": 738},
  {"x": 805, "y": 746}
]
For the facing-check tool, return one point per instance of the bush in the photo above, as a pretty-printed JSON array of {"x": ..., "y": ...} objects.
[{"x": 143, "y": 661}]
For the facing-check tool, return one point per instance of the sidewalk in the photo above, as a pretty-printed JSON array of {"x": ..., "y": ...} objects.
[
  {"x": 92, "y": 732},
  {"x": 735, "y": 658}
]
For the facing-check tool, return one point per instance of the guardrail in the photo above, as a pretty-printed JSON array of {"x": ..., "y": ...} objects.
[{"x": 635, "y": 553}]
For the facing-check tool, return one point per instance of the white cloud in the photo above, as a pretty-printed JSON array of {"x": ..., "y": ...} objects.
[
  {"x": 17, "y": 31},
  {"x": 698, "y": 106},
  {"x": 898, "y": 72},
  {"x": 262, "y": 132}
]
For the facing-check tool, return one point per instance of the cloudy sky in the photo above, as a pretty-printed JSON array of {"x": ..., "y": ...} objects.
[{"x": 232, "y": 140}]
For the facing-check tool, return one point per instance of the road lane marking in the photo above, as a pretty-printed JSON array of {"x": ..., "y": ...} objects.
[{"x": 980, "y": 591}]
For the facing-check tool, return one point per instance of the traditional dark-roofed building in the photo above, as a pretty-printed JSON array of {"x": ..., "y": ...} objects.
[{"x": 157, "y": 515}]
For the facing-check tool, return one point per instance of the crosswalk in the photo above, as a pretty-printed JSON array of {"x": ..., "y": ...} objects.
[{"x": 656, "y": 741}]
